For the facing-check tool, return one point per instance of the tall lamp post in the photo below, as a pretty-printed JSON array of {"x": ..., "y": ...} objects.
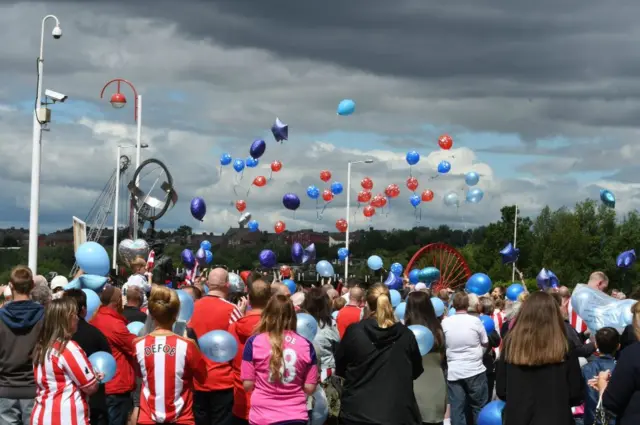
[
  {"x": 346, "y": 261},
  {"x": 118, "y": 101},
  {"x": 34, "y": 211},
  {"x": 115, "y": 202}
]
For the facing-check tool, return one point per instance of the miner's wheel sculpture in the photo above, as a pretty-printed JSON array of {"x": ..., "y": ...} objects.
[{"x": 454, "y": 271}]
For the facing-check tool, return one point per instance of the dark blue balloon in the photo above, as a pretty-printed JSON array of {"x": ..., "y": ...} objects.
[
  {"x": 253, "y": 226},
  {"x": 626, "y": 259},
  {"x": 414, "y": 276},
  {"x": 251, "y": 162},
  {"x": 201, "y": 257},
  {"x": 513, "y": 291},
  {"x": 225, "y": 159},
  {"x": 415, "y": 200},
  {"x": 313, "y": 192},
  {"x": 509, "y": 254},
  {"x": 444, "y": 167},
  {"x": 296, "y": 252},
  {"x": 413, "y": 157},
  {"x": 291, "y": 201},
  {"x": 267, "y": 258},
  {"x": 547, "y": 279},
  {"x": 198, "y": 208},
  {"x": 488, "y": 323},
  {"x": 257, "y": 148},
  {"x": 393, "y": 282},
  {"x": 280, "y": 130},
  {"x": 238, "y": 165},
  {"x": 188, "y": 258},
  {"x": 309, "y": 254},
  {"x": 396, "y": 269},
  {"x": 336, "y": 188},
  {"x": 479, "y": 284}
]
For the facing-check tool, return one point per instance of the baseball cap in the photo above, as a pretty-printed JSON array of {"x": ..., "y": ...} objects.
[{"x": 58, "y": 282}]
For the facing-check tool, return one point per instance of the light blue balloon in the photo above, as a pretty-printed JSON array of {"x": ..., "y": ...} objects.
[
  {"x": 135, "y": 327},
  {"x": 414, "y": 276},
  {"x": 205, "y": 289},
  {"x": 92, "y": 258},
  {"x": 186, "y": 306},
  {"x": 74, "y": 284},
  {"x": 415, "y": 200},
  {"x": 336, "y": 188},
  {"x": 313, "y": 192},
  {"x": 251, "y": 162},
  {"x": 93, "y": 303},
  {"x": 306, "y": 326},
  {"x": 444, "y": 167},
  {"x": 424, "y": 337},
  {"x": 475, "y": 195},
  {"x": 346, "y": 107},
  {"x": 413, "y": 157},
  {"x": 206, "y": 245},
  {"x": 238, "y": 165},
  {"x": 218, "y": 346},
  {"x": 374, "y": 262},
  {"x": 291, "y": 285},
  {"x": 438, "y": 306},
  {"x": 320, "y": 411},
  {"x": 253, "y": 226},
  {"x": 103, "y": 362},
  {"x": 471, "y": 178},
  {"x": 209, "y": 255},
  {"x": 396, "y": 298},
  {"x": 324, "y": 268},
  {"x": 334, "y": 315},
  {"x": 400, "y": 311},
  {"x": 452, "y": 312},
  {"x": 225, "y": 159},
  {"x": 451, "y": 199},
  {"x": 343, "y": 253},
  {"x": 396, "y": 268},
  {"x": 93, "y": 282}
]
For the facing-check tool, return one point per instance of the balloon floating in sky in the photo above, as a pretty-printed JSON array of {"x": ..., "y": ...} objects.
[
  {"x": 260, "y": 181},
  {"x": 374, "y": 262},
  {"x": 244, "y": 219},
  {"x": 445, "y": 141},
  {"x": 343, "y": 253},
  {"x": 412, "y": 184},
  {"x": 415, "y": 201},
  {"x": 279, "y": 227},
  {"x": 327, "y": 195},
  {"x": 475, "y": 195},
  {"x": 251, "y": 162},
  {"x": 325, "y": 175},
  {"x": 427, "y": 196},
  {"x": 341, "y": 225},
  {"x": 225, "y": 159},
  {"x": 451, "y": 199},
  {"x": 280, "y": 130},
  {"x": 267, "y": 258},
  {"x": 471, "y": 178},
  {"x": 444, "y": 167},
  {"x": 367, "y": 183},
  {"x": 608, "y": 198},
  {"x": 509, "y": 254},
  {"x": 346, "y": 107},
  {"x": 368, "y": 211},
  {"x": 626, "y": 259},
  {"x": 198, "y": 208},
  {"x": 313, "y": 192},
  {"x": 413, "y": 157},
  {"x": 253, "y": 226},
  {"x": 238, "y": 165},
  {"x": 336, "y": 188},
  {"x": 364, "y": 196},
  {"x": 291, "y": 201},
  {"x": 257, "y": 148},
  {"x": 276, "y": 166}
]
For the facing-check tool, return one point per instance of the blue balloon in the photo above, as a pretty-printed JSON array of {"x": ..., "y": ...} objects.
[
  {"x": 451, "y": 199},
  {"x": 313, "y": 192},
  {"x": 488, "y": 323},
  {"x": 257, "y": 148},
  {"x": 396, "y": 268},
  {"x": 251, "y": 162},
  {"x": 309, "y": 254},
  {"x": 206, "y": 245},
  {"x": 414, "y": 276},
  {"x": 103, "y": 362},
  {"x": 74, "y": 284},
  {"x": 238, "y": 165},
  {"x": 324, "y": 268},
  {"x": 297, "y": 252},
  {"x": 491, "y": 414},
  {"x": 374, "y": 262},
  {"x": 438, "y": 306},
  {"x": 393, "y": 282},
  {"x": 343, "y": 253},
  {"x": 280, "y": 130},
  {"x": 253, "y": 226},
  {"x": 267, "y": 258},
  {"x": 444, "y": 167},
  {"x": 413, "y": 157},
  {"x": 306, "y": 326},
  {"x": 334, "y": 315},
  {"x": 509, "y": 254},
  {"x": 608, "y": 198},
  {"x": 514, "y": 290},
  {"x": 424, "y": 338},
  {"x": 135, "y": 327},
  {"x": 395, "y": 296},
  {"x": 218, "y": 346},
  {"x": 291, "y": 285},
  {"x": 93, "y": 282},
  {"x": 547, "y": 279},
  {"x": 92, "y": 258},
  {"x": 93, "y": 303},
  {"x": 209, "y": 255},
  {"x": 452, "y": 312},
  {"x": 479, "y": 284},
  {"x": 336, "y": 188},
  {"x": 346, "y": 107},
  {"x": 475, "y": 195},
  {"x": 626, "y": 259},
  {"x": 188, "y": 260},
  {"x": 198, "y": 208},
  {"x": 400, "y": 311},
  {"x": 225, "y": 159},
  {"x": 201, "y": 257},
  {"x": 415, "y": 200},
  {"x": 186, "y": 305},
  {"x": 471, "y": 178},
  {"x": 429, "y": 275}
]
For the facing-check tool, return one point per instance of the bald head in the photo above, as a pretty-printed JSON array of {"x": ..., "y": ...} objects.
[
  {"x": 259, "y": 294},
  {"x": 278, "y": 288},
  {"x": 598, "y": 281},
  {"x": 218, "y": 280},
  {"x": 356, "y": 295}
]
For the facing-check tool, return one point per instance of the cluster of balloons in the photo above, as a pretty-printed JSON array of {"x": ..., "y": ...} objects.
[
  {"x": 328, "y": 194},
  {"x": 475, "y": 194},
  {"x": 427, "y": 276},
  {"x": 202, "y": 257},
  {"x": 301, "y": 255}
]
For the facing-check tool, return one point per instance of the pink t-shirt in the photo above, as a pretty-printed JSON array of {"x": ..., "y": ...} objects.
[{"x": 285, "y": 400}]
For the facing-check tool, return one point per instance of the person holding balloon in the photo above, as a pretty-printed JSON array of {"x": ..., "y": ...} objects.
[
  {"x": 279, "y": 367},
  {"x": 63, "y": 374},
  {"x": 170, "y": 364}
]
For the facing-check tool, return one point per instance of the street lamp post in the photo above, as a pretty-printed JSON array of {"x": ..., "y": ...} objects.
[
  {"x": 346, "y": 261},
  {"x": 118, "y": 101},
  {"x": 34, "y": 212}
]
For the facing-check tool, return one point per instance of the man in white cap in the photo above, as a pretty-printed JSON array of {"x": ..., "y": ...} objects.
[{"x": 57, "y": 286}]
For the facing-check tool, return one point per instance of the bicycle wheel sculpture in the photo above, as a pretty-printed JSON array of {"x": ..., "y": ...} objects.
[
  {"x": 454, "y": 271},
  {"x": 152, "y": 191}
]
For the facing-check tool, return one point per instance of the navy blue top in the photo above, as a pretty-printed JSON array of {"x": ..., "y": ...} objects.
[
  {"x": 589, "y": 371},
  {"x": 622, "y": 396}
]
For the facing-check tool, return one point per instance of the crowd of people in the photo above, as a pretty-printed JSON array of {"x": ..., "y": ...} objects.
[{"x": 537, "y": 356}]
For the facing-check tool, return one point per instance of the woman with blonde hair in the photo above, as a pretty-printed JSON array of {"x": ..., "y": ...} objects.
[
  {"x": 169, "y": 364},
  {"x": 379, "y": 359},
  {"x": 279, "y": 366},
  {"x": 64, "y": 377},
  {"x": 537, "y": 375}
]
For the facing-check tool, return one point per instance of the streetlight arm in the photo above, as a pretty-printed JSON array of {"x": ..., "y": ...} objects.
[
  {"x": 135, "y": 93},
  {"x": 42, "y": 33}
]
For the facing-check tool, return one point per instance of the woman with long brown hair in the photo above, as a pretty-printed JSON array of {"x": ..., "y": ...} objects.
[
  {"x": 318, "y": 304},
  {"x": 537, "y": 375},
  {"x": 279, "y": 366},
  {"x": 379, "y": 359},
  {"x": 63, "y": 374}
]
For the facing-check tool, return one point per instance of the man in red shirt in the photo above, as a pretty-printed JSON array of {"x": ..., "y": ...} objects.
[
  {"x": 352, "y": 312},
  {"x": 213, "y": 400},
  {"x": 110, "y": 321}
]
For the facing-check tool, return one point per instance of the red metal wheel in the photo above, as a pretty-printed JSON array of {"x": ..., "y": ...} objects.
[{"x": 454, "y": 271}]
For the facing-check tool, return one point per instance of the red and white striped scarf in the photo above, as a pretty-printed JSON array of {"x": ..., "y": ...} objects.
[
  {"x": 151, "y": 260},
  {"x": 575, "y": 321}
]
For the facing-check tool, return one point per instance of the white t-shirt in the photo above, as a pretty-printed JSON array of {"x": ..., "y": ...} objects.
[{"x": 464, "y": 335}]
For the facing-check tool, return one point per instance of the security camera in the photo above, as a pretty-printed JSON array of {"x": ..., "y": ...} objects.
[
  {"x": 57, "y": 32},
  {"x": 55, "y": 96}
]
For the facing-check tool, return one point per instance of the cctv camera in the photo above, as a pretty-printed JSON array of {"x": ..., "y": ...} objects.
[
  {"x": 57, "y": 32},
  {"x": 57, "y": 97}
]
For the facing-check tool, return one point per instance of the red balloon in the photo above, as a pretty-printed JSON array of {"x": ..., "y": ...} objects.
[
  {"x": 276, "y": 166},
  {"x": 260, "y": 181},
  {"x": 241, "y": 205},
  {"x": 325, "y": 175},
  {"x": 245, "y": 275},
  {"x": 279, "y": 227},
  {"x": 383, "y": 202},
  {"x": 412, "y": 184},
  {"x": 445, "y": 141},
  {"x": 392, "y": 191},
  {"x": 285, "y": 271},
  {"x": 364, "y": 196},
  {"x": 341, "y": 225},
  {"x": 327, "y": 195},
  {"x": 368, "y": 211},
  {"x": 427, "y": 195},
  {"x": 366, "y": 183},
  {"x": 378, "y": 201}
]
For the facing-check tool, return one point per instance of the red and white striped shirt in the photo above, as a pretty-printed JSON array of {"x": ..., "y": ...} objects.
[
  {"x": 59, "y": 382},
  {"x": 575, "y": 321},
  {"x": 169, "y": 365},
  {"x": 498, "y": 320},
  {"x": 151, "y": 260}
]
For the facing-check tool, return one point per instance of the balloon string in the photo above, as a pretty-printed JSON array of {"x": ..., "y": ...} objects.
[
  {"x": 270, "y": 174},
  {"x": 325, "y": 207}
]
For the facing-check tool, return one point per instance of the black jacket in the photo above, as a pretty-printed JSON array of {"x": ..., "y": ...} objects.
[
  {"x": 91, "y": 340},
  {"x": 576, "y": 342},
  {"x": 133, "y": 314},
  {"x": 622, "y": 395},
  {"x": 379, "y": 367}
]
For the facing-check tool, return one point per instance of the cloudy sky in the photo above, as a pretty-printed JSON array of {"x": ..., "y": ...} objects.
[{"x": 542, "y": 99}]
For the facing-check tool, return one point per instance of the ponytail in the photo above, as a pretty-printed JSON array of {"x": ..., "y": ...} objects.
[{"x": 379, "y": 303}]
